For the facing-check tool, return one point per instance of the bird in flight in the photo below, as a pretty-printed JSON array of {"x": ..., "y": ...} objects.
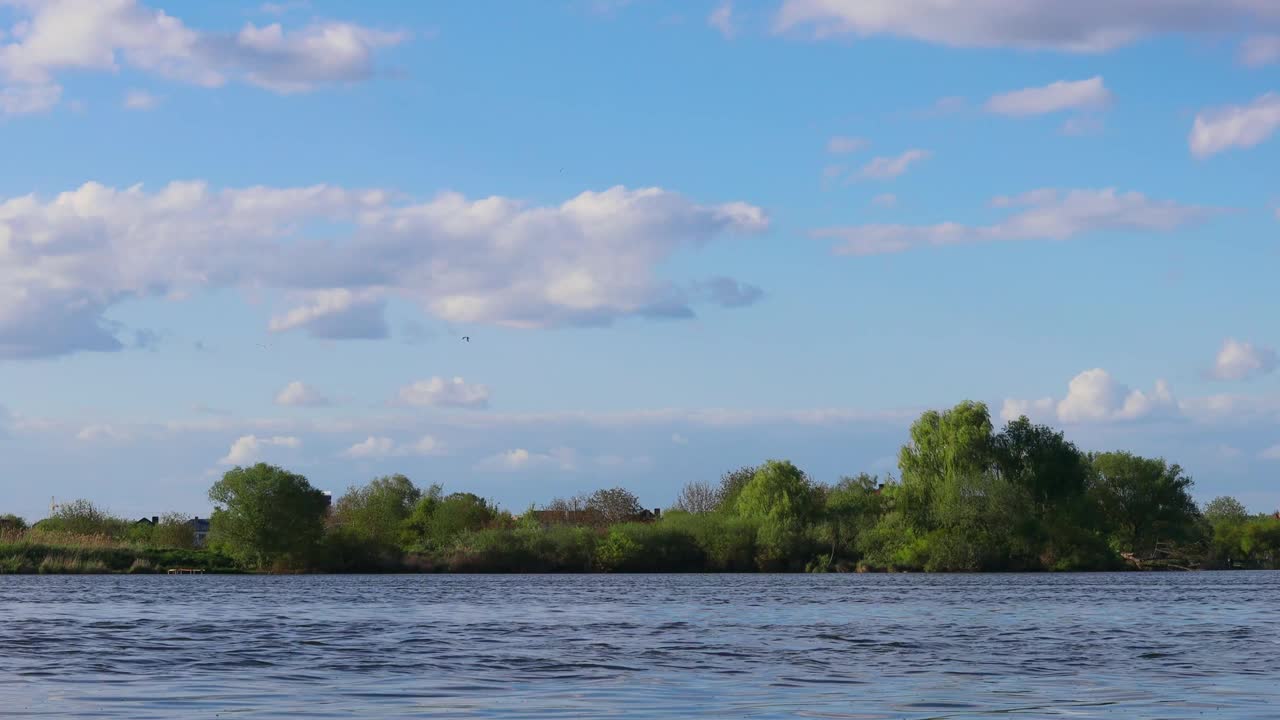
[{"x": 467, "y": 338}]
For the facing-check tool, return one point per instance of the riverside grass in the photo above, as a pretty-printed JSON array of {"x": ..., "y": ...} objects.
[{"x": 32, "y": 552}]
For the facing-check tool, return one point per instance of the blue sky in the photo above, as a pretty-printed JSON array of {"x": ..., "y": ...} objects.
[{"x": 682, "y": 237}]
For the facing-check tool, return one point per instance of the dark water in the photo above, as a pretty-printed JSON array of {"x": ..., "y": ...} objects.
[{"x": 1196, "y": 645}]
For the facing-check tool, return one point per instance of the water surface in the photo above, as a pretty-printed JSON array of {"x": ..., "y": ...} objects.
[{"x": 1193, "y": 645}]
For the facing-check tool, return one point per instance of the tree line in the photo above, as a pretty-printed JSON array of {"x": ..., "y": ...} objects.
[{"x": 968, "y": 497}]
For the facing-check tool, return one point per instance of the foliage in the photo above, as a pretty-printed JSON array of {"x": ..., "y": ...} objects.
[
  {"x": 1143, "y": 501},
  {"x": 969, "y": 498},
  {"x": 38, "y": 551},
  {"x": 731, "y": 484},
  {"x": 375, "y": 515},
  {"x": 174, "y": 531},
  {"x": 12, "y": 523},
  {"x": 81, "y": 517},
  {"x": 266, "y": 516},
  {"x": 1225, "y": 509},
  {"x": 438, "y": 521}
]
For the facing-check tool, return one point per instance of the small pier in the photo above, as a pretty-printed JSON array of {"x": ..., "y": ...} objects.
[{"x": 185, "y": 571}]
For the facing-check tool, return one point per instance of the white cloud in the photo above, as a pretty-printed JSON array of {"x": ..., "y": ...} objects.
[
  {"x": 1235, "y": 126},
  {"x": 103, "y": 431},
  {"x": 722, "y": 19},
  {"x": 885, "y": 200},
  {"x": 588, "y": 261},
  {"x": 1243, "y": 360},
  {"x": 299, "y": 394},
  {"x": 1082, "y": 26},
  {"x": 438, "y": 392},
  {"x": 140, "y": 100},
  {"x": 247, "y": 449},
  {"x": 1260, "y": 50},
  {"x": 1094, "y": 396},
  {"x": 1014, "y": 408},
  {"x": 1045, "y": 214},
  {"x": 1054, "y": 97},
  {"x": 679, "y": 439},
  {"x": 107, "y": 35},
  {"x": 521, "y": 459},
  {"x": 1271, "y": 453},
  {"x": 842, "y": 144},
  {"x": 382, "y": 447},
  {"x": 890, "y": 167},
  {"x": 337, "y": 314}
]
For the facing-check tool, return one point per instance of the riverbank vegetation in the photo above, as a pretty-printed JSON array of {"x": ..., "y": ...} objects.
[
  {"x": 969, "y": 498},
  {"x": 81, "y": 538}
]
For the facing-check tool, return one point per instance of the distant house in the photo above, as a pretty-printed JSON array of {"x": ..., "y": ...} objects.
[
  {"x": 200, "y": 528},
  {"x": 152, "y": 521}
]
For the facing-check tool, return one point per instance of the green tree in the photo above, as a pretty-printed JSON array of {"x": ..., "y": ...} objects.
[
  {"x": 266, "y": 515},
  {"x": 376, "y": 513},
  {"x": 437, "y": 521},
  {"x": 1145, "y": 501},
  {"x": 785, "y": 502},
  {"x": 852, "y": 507},
  {"x": 1054, "y": 471},
  {"x": 963, "y": 514},
  {"x": 1225, "y": 509}
]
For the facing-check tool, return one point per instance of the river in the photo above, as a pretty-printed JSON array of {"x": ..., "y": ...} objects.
[{"x": 1126, "y": 645}]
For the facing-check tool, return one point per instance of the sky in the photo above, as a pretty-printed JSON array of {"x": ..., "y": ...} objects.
[{"x": 681, "y": 237}]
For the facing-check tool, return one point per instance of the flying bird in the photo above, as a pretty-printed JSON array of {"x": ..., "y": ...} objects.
[{"x": 466, "y": 338}]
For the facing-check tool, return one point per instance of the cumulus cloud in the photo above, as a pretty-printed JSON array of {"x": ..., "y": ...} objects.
[
  {"x": 1235, "y": 126},
  {"x": 1051, "y": 98},
  {"x": 843, "y": 144},
  {"x": 722, "y": 19},
  {"x": 881, "y": 168},
  {"x": 140, "y": 100},
  {"x": 56, "y": 36},
  {"x": 438, "y": 392},
  {"x": 1082, "y": 26},
  {"x": 299, "y": 394},
  {"x": 588, "y": 261},
  {"x": 521, "y": 459},
  {"x": 1046, "y": 214},
  {"x": 248, "y": 449},
  {"x": 1094, "y": 396},
  {"x": 1271, "y": 453},
  {"x": 679, "y": 439},
  {"x": 382, "y": 447},
  {"x": 1243, "y": 360}
]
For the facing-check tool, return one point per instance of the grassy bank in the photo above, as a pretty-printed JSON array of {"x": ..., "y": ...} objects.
[{"x": 34, "y": 552}]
